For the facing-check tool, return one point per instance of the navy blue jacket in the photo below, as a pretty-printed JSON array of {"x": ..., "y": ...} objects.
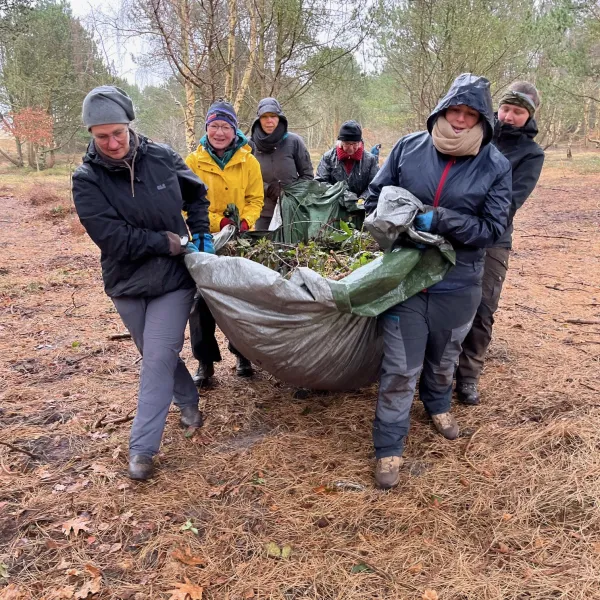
[
  {"x": 526, "y": 159},
  {"x": 473, "y": 192},
  {"x": 129, "y": 225}
]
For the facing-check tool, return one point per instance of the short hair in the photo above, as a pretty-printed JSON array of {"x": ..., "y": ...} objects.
[{"x": 524, "y": 87}]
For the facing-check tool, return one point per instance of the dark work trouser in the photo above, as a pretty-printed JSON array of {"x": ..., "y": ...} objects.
[
  {"x": 202, "y": 334},
  {"x": 157, "y": 326},
  {"x": 262, "y": 224},
  {"x": 424, "y": 333},
  {"x": 478, "y": 339}
]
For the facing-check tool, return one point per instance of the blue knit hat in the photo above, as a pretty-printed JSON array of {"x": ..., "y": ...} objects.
[{"x": 221, "y": 111}]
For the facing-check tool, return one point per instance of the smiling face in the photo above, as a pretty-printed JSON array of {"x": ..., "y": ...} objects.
[
  {"x": 112, "y": 140},
  {"x": 269, "y": 122},
  {"x": 462, "y": 117},
  {"x": 220, "y": 134},
  {"x": 513, "y": 115}
]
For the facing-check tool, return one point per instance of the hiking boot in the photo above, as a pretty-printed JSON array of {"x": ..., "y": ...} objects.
[
  {"x": 466, "y": 393},
  {"x": 387, "y": 472},
  {"x": 446, "y": 425},
  {"x": 243, "y": 367},
  {"x": 141, "y": 467},
  {"x": 190, "y": 416},
  {"x": 203, "y": 376}
]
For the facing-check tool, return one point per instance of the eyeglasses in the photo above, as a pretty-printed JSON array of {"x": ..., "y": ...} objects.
[
  {"x": 103, "y": 138},
  {"x": 223, "y": 128}
]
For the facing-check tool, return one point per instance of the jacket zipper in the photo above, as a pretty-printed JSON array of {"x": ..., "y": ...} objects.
[{"x": 440, "y": 187}]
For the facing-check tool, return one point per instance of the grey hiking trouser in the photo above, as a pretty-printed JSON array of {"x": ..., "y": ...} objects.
[
  {"x": 422, "y": 334},
  {"x": 157, "y": 326},
  {"x": 478, "y": 339}
]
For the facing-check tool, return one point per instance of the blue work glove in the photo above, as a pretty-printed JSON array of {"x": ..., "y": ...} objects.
[
  {"x": 191, "y": 248},
  {"x": 204, "y": 242},
  {"x": 424, "y": 221}
]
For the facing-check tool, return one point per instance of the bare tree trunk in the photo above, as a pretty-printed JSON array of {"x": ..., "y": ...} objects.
[
  {"x": 586, "y": 121},
  {"x": 14, "y": 161},
  {"x": 50, "y": 159},
  {"x": 252, "y": 45},
  {"x": 230, "y": 75},
  {"x": 189, "y": 111},
  {"x": 31, "y": 157}
]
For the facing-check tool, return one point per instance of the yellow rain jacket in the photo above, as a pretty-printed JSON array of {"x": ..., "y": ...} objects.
[{"x": 240, "y": 183}]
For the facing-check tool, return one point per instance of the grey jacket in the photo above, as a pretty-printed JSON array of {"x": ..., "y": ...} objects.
[{"x": 331, "y": 170}]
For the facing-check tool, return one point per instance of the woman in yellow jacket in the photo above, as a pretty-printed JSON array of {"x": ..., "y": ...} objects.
[{"x": 225, "y": 163}]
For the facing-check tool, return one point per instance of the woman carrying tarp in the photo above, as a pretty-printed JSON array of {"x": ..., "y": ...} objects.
[
  {"x": 465, "y": 183},
  {"x": 514, "y": 131},
  {"x": 224, "y": 161},
  {"x": 349, "y": 161},
  {"x": 282, "y": 155},
  {"x": 129, "y": 194}
]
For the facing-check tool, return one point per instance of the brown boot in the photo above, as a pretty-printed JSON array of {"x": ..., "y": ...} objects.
[
  {"x": 387, "y": 472},
  {"x": 446, "y": 425}
]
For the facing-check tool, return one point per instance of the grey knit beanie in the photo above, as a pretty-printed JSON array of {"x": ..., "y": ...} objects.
[{"x": 105, "y": 105}]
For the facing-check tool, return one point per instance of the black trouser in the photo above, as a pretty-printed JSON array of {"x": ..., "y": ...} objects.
[
  {"x": 202, "y": 334},
  {"x": 477, "y": 341}
]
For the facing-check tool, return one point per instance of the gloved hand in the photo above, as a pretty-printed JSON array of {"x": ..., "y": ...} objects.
[
  {"x": 191, "y": 248},
  {"x": 175, "y": 247},
  {"x": 204, "y": 242},
  {"x": 224, "y": 222},
  {"x": 244, "y": 225},
  {"x": 424, "y": 221},
  {"x": 273, "y": 191}
]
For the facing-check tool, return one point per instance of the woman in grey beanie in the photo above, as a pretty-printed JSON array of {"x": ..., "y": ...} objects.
[
  {"x": 282, "y": 155},
  {"x": 129, "y": 194}
]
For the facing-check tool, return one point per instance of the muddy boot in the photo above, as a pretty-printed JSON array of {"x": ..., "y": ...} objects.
[
  {"x": 203, "y": 376},
  {"x": 190, "y": 416},
  {"x": 387, "y": 472},
  {"x": 243, "y": 367},
  {"x": 446, "y": 425},
  {"x": 467, "y": 393},
  {"x": 140, "y": 467}
]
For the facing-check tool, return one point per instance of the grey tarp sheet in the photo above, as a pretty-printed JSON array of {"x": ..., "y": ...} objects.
[{"x": 312, "y": 332}]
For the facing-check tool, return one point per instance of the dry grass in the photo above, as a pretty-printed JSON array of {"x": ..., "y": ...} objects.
[{"x": 509, "y": 511}]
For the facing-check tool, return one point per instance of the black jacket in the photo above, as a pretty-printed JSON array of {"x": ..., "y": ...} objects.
[
  {"x": 331, "y": 170},
  {"x": 130, "y": 229},
  {"x": 473, "y": 199},
  {"x": 526, "y": 159}
]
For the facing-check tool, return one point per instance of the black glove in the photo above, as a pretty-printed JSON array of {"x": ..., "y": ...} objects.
[{"x": 273, "y": 191}]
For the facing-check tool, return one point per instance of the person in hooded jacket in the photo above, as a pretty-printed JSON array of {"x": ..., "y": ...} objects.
[
  {"x": 282, "y": 155},
  {"x": 129, "y": 195},
  {"x": 465, "y": 183},
  {"x": 514, "y": 132},
  {"x": 224, "y": 161},
  {"x": 349, "y": 161}
]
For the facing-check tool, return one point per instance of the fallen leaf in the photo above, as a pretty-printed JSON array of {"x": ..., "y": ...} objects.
[
  {"x": 323, "y": 489},
  {"x": 64, "y": 593},
  {"x": 219, "y": 580},
  {"x": 79, "y": 485},
  {"x": 538, "y": 543},
  {"x": 416, "y": 568},
  {"x": 102, "y": 470},
  {"x": 103, "y": 526},
  {"x": 12, "y": 592},
  {"x": 114, "y": 548},
  {"x": 286, "y": 551},
  {"x": 123, "y": 486},
  {"x": 91, "y": 540},
  {"x": 186, "y": 591},
  {"x": 189, "y": 526},
  {"x": 116, "y": 452},
  {"x": 72, "y": 572},
  {"x": 430, "y": 595},
  {"x": 507, "y": 517},
  {"x": 596, "y": 547},
  {"x": 91, "y": 587},
  {"x": 361, "y": 568},
  {"x": 322, "y": 522},
  {"x": 185, "y": 556},
  {"x": 527, "y": 573},
  {"x": 59, "y": 487},
  {"x": 503, "y": 548},
  {"x": 3, "y": 571},
  {"x": 464, "y": 482},
  {"x": 93, "y": 571},
  {"x": 273, "y": 550},
  {"x": 248, "y": 594},
  {"x": 75, "y": 525},
  {"x": 127, "y": 564},
  {"x": 126, "y": 516}
]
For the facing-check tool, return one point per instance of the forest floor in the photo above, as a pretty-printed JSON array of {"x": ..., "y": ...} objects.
[{"x": 511, "y": 510}]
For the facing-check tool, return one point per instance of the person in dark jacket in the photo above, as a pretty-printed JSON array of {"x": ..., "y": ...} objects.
[
  {"x": 514, "y": 132},
  {"x": 375, "y": 150},
  {"x": 129, "y": 195},
  {"x": 349, "y": 161},
  {"x": 282, "y": 155},
  {"x": 465, "y": 183}
]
